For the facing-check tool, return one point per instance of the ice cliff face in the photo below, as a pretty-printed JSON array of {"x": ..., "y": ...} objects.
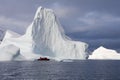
[
  {"x": 45, "y": 37},
  {"x": 103, "y": 53}
]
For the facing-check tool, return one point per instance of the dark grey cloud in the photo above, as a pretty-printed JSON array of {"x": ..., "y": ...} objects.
[{"x": 96, "y": 22}]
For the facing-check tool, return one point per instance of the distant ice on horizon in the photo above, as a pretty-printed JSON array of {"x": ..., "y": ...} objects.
[{"x": 102, "y": 53}]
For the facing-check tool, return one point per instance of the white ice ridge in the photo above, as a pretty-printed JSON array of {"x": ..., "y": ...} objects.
[
  {"x": 104, "y": 53},
  {"x": 45, "y": 37}
]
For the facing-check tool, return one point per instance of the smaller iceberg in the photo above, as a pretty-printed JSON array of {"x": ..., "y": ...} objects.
[{"x": 105, "y": 54}]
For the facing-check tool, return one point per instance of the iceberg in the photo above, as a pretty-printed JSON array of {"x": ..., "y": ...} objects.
[
  {"x": 46, "y": 38},
  {"x": 104, "y": 54}
]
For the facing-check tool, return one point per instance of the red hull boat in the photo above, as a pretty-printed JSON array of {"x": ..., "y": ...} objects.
[{"x": 43, "y": 59}]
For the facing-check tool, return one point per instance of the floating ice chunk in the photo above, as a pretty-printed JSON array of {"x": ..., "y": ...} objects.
[{"x": 67, "y": 60}]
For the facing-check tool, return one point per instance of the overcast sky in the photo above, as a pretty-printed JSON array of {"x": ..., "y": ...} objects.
[{"x": 96, "y": 22}]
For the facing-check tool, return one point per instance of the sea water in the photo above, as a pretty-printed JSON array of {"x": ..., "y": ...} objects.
[{"x": 51, "y": 70}]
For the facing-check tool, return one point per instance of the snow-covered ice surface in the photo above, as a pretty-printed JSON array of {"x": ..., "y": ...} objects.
[
  {"x": 11, "y": 34},
  {"x": 45, "y": 37},
  {"x": 10, "y": 52},
  {"x": 104, "y": 53}
]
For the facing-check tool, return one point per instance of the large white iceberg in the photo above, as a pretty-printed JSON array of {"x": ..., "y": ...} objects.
[
  {"x": 45, "y": 37},
  {"x": 104, "y": 53}
]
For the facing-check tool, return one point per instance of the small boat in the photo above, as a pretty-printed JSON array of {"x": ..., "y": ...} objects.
[{"x": 43, "y": 59}]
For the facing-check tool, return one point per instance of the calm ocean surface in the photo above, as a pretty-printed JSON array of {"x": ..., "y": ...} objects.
[{"x": 77, "y": 70}]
